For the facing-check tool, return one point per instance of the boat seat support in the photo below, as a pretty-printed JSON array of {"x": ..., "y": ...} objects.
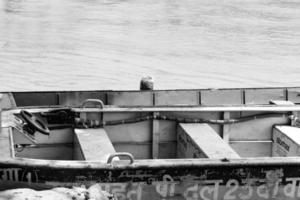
[
  {"x": 201, "y": 141},
  {"x": 92, "y": 144}
]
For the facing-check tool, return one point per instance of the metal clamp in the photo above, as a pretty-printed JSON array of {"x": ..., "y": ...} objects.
[
  {"x": 93, "y": 101},
  {"x": 123, "y": 154}
]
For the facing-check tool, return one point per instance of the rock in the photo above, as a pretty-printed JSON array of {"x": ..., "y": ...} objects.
[
  {"x": 147, "y": 83},
  {"x": 59, "y": 193}
]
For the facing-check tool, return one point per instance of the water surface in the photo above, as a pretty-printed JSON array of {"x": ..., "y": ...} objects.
[{"x": 110, "y": 44}]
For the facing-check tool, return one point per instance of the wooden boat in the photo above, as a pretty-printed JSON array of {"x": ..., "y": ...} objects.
[{"x": 207, "y": 144}]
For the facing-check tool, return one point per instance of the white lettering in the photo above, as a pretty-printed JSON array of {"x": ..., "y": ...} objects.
[
  {"x": 211, "y": 190},
  {"x": 290, "y": 189},
  {"x": 11, "y": 174},
  {"x": 262, "y": 191},
  {"x": 193, "y": 190},
  {"x": 233, "y": 185}
]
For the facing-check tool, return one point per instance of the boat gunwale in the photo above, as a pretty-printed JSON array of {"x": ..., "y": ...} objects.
[
  {"x": 177, "y": 108},
  {"x": 155, "y": 90},
  {"x": 155, "y": 163}
]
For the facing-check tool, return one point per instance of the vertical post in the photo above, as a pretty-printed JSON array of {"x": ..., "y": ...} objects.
[
  {"x": 155, "y": 137},
  {"x": 226, "y": 115},
  {"x": 294, "y": 121}
]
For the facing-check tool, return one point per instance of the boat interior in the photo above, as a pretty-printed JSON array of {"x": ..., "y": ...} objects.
[{"x": 87, "y": 128}]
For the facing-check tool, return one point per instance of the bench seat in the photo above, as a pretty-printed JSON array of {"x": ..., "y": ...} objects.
[
  {"x": 92, "y": 144},
  {"x": 201, "y": 141}
]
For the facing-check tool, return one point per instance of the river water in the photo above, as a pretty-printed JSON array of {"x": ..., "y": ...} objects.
[{"x": 111, "y": 44}]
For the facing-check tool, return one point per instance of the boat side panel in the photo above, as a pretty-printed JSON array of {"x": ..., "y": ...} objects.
[
  {"x": 197, "y": 115},
  {"x": 190, "y": 98},
  {"x": 251, "y": 182},
  {"x": 36, "y": 98},
  {"x": 257, "y": 129},
  {"x": 130, "y": 98},
  {"x": 134, "y": 138},
  {"x": 250, "y": 149},
  {"x": 221, "y": 97},
  {"x": 263, "y": 96},
  {"x": 76, "y": 98},
  {"x": 293, "y": 95},
  {"x": 162, "y": 97}
]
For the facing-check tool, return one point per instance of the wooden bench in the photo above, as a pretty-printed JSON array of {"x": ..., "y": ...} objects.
[
  {"x": 286, "y": 141},
  {"x": 92, "y": 144},
  {"x": 201, "y": 141}
]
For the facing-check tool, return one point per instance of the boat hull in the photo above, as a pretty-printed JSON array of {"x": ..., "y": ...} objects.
[{"x": 223, "y": 180}]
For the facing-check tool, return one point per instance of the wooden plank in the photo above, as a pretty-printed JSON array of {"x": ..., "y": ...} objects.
[
  {"x": 76, "y": 98},
  {"x": 252, "y": 148},
  {"x": 263, "y": 96},
  {"x": 171, "y": 98},
  {"x": 139, "y": 98},
  {"x": 200, "y": 140},
  {"x": 221, "y": 97},
  {"x": 95, "y": 143}
]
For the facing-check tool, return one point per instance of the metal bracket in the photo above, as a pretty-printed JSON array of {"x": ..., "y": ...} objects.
[{"x": 123, "y": 154}]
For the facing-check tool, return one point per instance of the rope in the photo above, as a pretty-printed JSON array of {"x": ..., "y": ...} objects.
[{"x": 85, "y": 124}]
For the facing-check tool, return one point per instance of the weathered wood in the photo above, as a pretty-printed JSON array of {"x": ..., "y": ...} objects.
[
  {"x": 200, "y": 140},
  {"x": 95, "y": 144}
]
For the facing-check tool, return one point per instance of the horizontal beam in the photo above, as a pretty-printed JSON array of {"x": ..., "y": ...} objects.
[
  {"x": 270, "y": 108},
  {"x": 156, "y": 163}
]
